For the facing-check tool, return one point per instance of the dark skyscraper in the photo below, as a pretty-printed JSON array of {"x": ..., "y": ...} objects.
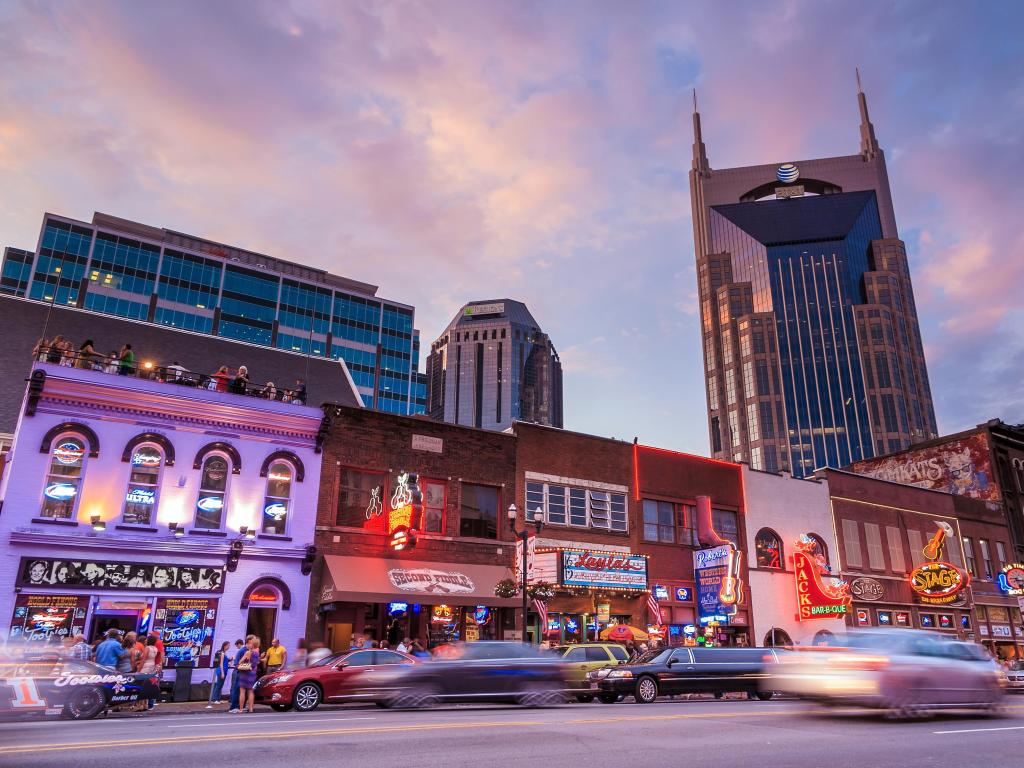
[{"x": 812, "y": 348}]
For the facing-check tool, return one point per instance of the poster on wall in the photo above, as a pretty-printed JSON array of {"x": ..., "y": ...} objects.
[
  {"x": 82, "y": 574},
  {"x": 37, "y": 617},
  {"x": 186, "y": 625},
  {"x": 960, "y": 467},
  {"x": 716, "y": 572}
]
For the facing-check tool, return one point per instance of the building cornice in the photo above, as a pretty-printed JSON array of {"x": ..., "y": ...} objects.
[{"x": 181, "y": 548}]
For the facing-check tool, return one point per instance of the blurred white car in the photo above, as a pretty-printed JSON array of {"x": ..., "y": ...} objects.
[
  {"x": 903, "y": 671},
  {"x": 1015, "y": 677}
]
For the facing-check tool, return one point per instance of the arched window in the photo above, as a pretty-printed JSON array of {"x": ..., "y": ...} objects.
[
  {"x": 777, "y": 637},
  {"x": 277, "y": 501},
  {"x": 768, "y": 547},
  {"x": 819, "y": 546},
  {"x": 64, "y": 478},
  {"x": 143, "y": 492},
  {"x": 213, "y": 493}
]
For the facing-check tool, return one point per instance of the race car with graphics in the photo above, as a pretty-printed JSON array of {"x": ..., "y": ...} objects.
[{"x": 72, "y": 688}]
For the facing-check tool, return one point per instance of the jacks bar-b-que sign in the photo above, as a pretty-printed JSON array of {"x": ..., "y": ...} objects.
[
  {"x": 85, "y": 574},
  {"x": 611, "y": 570}
]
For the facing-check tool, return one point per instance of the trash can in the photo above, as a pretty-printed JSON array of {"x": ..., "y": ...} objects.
[{"x": 182, "y": 681}]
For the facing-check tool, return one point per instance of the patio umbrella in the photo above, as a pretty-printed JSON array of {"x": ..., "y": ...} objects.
[{"x": 620, "y": 633}]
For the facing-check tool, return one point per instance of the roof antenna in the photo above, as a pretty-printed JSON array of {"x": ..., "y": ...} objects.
[{"x": 859, "y": 89}]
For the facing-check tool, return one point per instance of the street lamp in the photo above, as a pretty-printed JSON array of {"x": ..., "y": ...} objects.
[{"x": 523, "y": 535}]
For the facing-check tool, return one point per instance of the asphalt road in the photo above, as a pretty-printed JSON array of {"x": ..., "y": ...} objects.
[{"x": 706, "y": 732}]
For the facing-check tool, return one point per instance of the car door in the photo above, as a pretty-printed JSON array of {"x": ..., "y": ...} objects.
[
  {"x": 341, "y": 678},
  {"x": 678, "y": 674},
  {"x": 577, "y": 666}
]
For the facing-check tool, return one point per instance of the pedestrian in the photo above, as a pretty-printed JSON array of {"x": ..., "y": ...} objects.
[
  {"x": 240, "y": 649},
  {"x": 299, "y": 393},
  {"x": 368, "y": 642},
  {"x": 150, "y": 664},
  {"x": 129, "y": 662},
  {"x": 221, "y": 379},
  {"x": 247, "y": 669},
  {"x": 301, "y": 652},
  {"x": 317, "y": 652},
  {"x": 355, "y": 643},
  {"x": 269, "y": 391},
  {"x": 221, "y": 665},
  {"x": 67, "y": 354},
  {"x": 403, "y": 647},
  {"x": 86, "y": 353},
  {"x": 240, "y": 384},
  {"x": 110, "y": 651},
  {"x": 79, "y": 648},
  {"x": 126, "y": 360},
  {"x": 275, "y": 657},
  {"x": 41, "y": 350}
]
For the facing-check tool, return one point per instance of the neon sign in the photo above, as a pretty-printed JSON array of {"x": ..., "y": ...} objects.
[
  {"x": 60, "y": 491},
  {"x": 68, "y": 453},
  {"x": 397, "y": 608},
  {"x": 146, "y": 459},
  {"x": 403, "y": 517},
  {"x": 277, "y": 510},
  {"x": 1011, "y": 579},
  {"x": 683, "y": 594},
  {"x": 814, "y": 598},
  {"x": 210, "y": 503},
  {"x": 442, "y": 614},
  {"x": 938, "y": 583},
  {"x": 140, "y": 496},
  {"x": 660, "y": 592}
]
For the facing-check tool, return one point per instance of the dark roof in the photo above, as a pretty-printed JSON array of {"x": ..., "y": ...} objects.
[
  {"x": 22, "y": 323},
  {"x": 808, "y": 219}
]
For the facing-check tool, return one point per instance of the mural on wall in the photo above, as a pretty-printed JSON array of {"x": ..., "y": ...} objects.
[{"x": 961, "y": 467}]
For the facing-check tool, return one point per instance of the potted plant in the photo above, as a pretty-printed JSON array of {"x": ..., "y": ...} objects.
[{"x": 506, "y": 588}]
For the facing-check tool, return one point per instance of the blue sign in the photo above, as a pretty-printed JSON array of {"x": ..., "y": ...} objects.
[
  {"x": 140, "y": 496},
  {"x": 482, "y": 615},
  {"x": 788, "y": 173},
  {"x": 683, "y": 594},
  {"x": 712, "y": 570},
  {"x": 277, "y": 510},
  {"x": 60, "y": 491},
  {"x": 396, "y": 608},
  {"x": 210, "y": 503},
  {"x": 660, "y": 592},
  {"x": 571, "y": 625}
]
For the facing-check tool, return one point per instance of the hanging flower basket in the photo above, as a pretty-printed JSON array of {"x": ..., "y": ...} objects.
[
  {"x": 506, "y": 588},
  {"x": 540, "y": 590}
]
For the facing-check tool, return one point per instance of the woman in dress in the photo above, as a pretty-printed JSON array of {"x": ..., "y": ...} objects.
[
  {"x": 247, "y": 676},
  {"x": 151, "y": 663}
]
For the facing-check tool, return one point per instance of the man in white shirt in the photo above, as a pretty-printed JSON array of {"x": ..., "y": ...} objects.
[{"x": 403, "y": 647}]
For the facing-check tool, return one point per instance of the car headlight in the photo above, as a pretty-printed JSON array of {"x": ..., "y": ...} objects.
[
  {"x": 620, "y": 673},
  {"x": 280, "y": 679}
]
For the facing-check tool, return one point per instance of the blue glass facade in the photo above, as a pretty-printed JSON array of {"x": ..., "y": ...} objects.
[{"x": 202, "y": 291}]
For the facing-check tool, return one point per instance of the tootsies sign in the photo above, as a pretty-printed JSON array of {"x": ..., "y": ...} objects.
[
  {"x": 591, "y": 568},
  {"x": 186, "y": 627},
  {"x": 84, "y": 574}
]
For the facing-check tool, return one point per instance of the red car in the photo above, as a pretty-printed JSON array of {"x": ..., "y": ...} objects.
[{"x": 349, "y": 676}]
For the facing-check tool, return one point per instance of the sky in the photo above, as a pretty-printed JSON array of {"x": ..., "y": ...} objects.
[{"x": 458, "y": 151}]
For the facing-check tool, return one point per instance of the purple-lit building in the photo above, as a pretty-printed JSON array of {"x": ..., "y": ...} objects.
[{"x": 141, "y": 504}]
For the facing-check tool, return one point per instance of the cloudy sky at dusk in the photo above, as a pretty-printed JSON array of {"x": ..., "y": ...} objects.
[{"x": 539, "y": 151}]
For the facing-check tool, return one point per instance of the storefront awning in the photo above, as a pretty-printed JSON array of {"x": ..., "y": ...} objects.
[{"x": 378, "y": 580}]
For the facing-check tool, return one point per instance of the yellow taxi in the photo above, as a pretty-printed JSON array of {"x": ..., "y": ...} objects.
[{"x": 581, "y": 658}]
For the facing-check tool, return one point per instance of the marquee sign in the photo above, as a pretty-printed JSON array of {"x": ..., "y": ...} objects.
[
  {"x": 938, "y": 583},
  {"x": 814, "y": 598},
  {"x": 612, "y": 570},
  {"x": 431, "y": 581},
  {"x": 716, "y": 571},
  {"x": 1011, "y": 580}
]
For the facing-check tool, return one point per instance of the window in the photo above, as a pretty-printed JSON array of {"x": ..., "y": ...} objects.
[
  {"x": 212, "y": 499},
  {"x": 819, "y": 546},
  {"x": 768, "y": 549},
  {"x": 435, "y": 499},
  {"x": 141, "y": 496},
  {"x": 479, "y": 513},
  {"x": 577, "y": 506},
  {"x": 556, "y": 504},
  {"x": 1001, "y": 553},
  {"x": 535, "y": 500},
  {"x": 64, "y": 479},
  {"x": 873, "y": 537},
  {"x": 986, "y": 558},
  {"x": 360, "y": 659},
  {"x": 725, "y": 524},
  {"x": 851, "y": 543},
  {"x": 969, "y": 555},
  {"x": 895, "y": 540},
  {"x": 916, "y": 539},
  {"x": 659, "y": 521},
  {"x": 618, "y": 652},
  {"x": 362, "y": 498},
  {"x": 277, "y": 502}
]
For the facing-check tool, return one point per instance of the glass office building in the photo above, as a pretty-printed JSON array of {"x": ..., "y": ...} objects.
[{"x": 135, "y": 271}]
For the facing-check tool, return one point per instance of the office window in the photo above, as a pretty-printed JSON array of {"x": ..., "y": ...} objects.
[
  {"x": 479, "y": 511},
  {"x": 1001, "y": 554},
  {"x": 141, "y": 497},
  {"x": 577, "y": 507},
  {"x": 851, "y": 544},
  {"x": 895, "y": 541},
  {"x": 969, "y": 555},
  {"x": 768, "y": 549},
  {"x": 873, "y": 538},
  {"x": 435, "y": 498},
  {"x": 556, "y": 504},
  {"x": 362, "y": 498},
  {"x": 213, "y": 489},
  {"x": 986, "y": 558},
  {"x": 726, "y": 525},
  {"x": 659, "y": 521},
  {"x": 277, "y": 501},
  {"x": 64, "y": 478}
]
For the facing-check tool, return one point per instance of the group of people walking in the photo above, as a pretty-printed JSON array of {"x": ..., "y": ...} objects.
[
  {"x": 127, "y": 652},
  {"x": 245, "y": 665}
]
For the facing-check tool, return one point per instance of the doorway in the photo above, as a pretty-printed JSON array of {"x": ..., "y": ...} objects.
[{"x": 261, "y": 622}]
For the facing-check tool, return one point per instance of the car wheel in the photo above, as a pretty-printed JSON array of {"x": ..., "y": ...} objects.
[
  {"x": 279, "y": 707},
  {"x": 646, "y": 690},
  {"x": 610, "y": 698},
  {"x": 85, "y": 704},
  {"x": 765, "y": 695},
  {"x": 307, "y": 697},
  {"x": 585, "y": 698},
  {"x": 415, "y": 698},
  {"x": 905, "y": 706},
  {"x": 540, "y": 695}
]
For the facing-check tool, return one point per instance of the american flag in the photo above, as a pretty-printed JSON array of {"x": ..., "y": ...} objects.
[
  {"x": 654, "y": 608},
  {"x": 542, "y": 612}
]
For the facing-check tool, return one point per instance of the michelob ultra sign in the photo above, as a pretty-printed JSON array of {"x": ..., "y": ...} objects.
[{"x": 938, "y": 583}]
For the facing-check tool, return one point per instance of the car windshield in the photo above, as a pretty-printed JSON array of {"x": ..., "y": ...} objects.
[
  {"x": 326, "y": 662},
  {"x": 1017, "y": 666},
  {"x": 657, "y": 656}
]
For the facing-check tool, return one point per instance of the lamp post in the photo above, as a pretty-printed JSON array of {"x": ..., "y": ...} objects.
[{"x": 523, "y": 535}]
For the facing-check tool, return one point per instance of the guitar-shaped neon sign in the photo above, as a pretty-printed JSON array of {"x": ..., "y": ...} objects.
[
  {"x": 730, "y": 593},
  {"x": 933, "y": 549}
]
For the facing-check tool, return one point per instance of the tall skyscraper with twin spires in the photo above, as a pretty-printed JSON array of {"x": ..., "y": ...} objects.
[{"x": 812, "y": 346}]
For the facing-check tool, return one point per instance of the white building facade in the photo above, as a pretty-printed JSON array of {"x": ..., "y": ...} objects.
[
  {"x": 782, "y": 510},
  {"x": 147, "y": 505}
]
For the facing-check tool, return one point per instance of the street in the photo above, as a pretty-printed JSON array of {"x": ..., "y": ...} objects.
[{"x": 740, "y": 733}]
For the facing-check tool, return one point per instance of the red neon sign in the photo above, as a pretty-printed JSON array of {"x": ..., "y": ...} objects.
[{"x": 814, "y": 598}]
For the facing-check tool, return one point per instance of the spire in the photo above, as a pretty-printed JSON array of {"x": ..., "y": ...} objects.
[
  {"x": 868, "y": 143},
  {"x": 700, "y": 155}
]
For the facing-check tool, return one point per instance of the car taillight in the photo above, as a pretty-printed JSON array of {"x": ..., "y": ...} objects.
[
  {"x": 155, "y": 680},
  {"x": 857, "y": 661}
]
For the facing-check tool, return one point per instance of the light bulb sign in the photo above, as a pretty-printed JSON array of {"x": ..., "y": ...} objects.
[
  {"x": 938, "y": 583},
  {"x": 816, "y": 599}
]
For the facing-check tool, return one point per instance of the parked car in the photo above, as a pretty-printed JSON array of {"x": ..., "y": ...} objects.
[
  {"x": 1015, "y": 677},
  {"x": 905, "y": 672},
  {"x": 668, "y": 671},
  {"x": 583, "y": 658},
  {"x": 349, "y": 676},
  {"x": 490, "y": 671},
  {"x": 72, "y": 688}
]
